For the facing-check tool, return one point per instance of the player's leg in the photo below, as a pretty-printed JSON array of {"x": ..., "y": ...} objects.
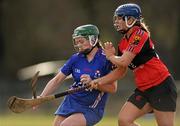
[
  {"x": 164, "y": 118},
  {"x": 129, "y": 113},
  {"x": 76, "y": 119},
  {"x": 163, "y": 99},
  {"x": 58, "y": 120},
  {"x": 135, "y": 107}
]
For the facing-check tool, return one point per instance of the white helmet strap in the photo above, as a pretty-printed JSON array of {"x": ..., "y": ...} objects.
[
  {"x": 126, "y": 21},
  {"x": 93, "y": 40}
]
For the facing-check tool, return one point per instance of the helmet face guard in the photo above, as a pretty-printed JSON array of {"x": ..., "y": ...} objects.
[
  {"x": 93, "y": 40},
  {"x": 89, "y": 32}
]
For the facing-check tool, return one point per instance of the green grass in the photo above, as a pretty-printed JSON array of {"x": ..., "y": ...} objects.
[
  {"x": 46, "y": 120},
  {"x": 25, "y": 120},
  {"x": 110, "y": 121}
]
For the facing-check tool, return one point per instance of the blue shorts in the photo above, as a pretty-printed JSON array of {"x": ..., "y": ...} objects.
[{"x": 70, "y": 106}]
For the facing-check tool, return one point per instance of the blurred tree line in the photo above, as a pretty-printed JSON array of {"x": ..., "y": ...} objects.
[{"x": 34, "y": 31}]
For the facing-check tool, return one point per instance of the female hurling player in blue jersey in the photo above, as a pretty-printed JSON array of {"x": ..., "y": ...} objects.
[{"x": 83, "y": 108}]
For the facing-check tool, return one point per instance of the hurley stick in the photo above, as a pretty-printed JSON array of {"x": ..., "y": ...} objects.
[
  {"x": 18, "y": 105},
  {"x": 33, "y": 84}
]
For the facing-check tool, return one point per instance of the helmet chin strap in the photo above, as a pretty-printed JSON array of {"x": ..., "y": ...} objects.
[
  {"x": 126, "y": 21},
  {"x": 93, "y": 41},
  {"x": 127, "y": 25},
  {"x": 87, "y": 51}
]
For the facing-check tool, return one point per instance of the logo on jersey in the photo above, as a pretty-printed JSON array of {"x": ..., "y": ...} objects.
[
  {"x": 103, "y": 53},
  {"x": 132, "y": 66},
  {"x": 77, "y": 70},
  {"x": 139, "y": 98},
  {"x": 97, "y": 74},
  {"x": 136, "y": 40}
]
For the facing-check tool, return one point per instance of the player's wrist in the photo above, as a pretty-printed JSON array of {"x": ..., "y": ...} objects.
[
  {"x": 110, "y": 57},
  {"x": 96, "y": 84},
  {"x": 41, "y": 95}
]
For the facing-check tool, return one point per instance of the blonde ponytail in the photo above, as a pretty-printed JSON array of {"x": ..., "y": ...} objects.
[{"x": 145, "y": 27}]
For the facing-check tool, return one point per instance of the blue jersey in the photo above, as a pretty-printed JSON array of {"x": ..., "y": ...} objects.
[{"x": 78, "y": 65}]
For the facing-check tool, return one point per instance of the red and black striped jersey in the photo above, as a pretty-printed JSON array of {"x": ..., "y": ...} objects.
[{"x": 149, "y": 70}]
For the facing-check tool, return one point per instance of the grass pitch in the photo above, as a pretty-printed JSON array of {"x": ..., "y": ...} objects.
[{"x": 46, "y": 120}]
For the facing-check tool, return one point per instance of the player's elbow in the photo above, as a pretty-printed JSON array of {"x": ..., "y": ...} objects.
[
  {"x": 120, "y": 72},
  {"x": 113, "y": 91},
  {"x": 109, "y": 88},
  {"x": 113, "y": 88}
]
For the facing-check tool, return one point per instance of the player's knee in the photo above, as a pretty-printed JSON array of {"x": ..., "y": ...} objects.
[
  {"x": 165, "y": 124},
  {"x": 55, "y": 123},
  {"x": 123, "y": 121},
  {"x": 66, "y": 124}
]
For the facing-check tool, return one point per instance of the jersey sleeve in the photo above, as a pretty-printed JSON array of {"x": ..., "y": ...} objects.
[
  {"x": 119, "y": 52},
  {"x": 137, "y": 41},
  {"x": 67, "y": 67}
]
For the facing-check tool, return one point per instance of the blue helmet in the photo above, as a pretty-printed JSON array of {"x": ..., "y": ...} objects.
[{"x": 129, "y": 9}]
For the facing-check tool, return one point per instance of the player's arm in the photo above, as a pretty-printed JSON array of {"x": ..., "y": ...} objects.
[
  {"x": 53, "y": 84},
  {"x": 108, "y": 79},
  {"x": 137, "y": 42},
  {"x": 124, "y": 60},
  {"x": 119, "y": 61},
  {"x": 110, "y": 88}
]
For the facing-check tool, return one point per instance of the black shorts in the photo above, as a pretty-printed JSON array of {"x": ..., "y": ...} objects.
[{"x": 161, "y": 97}]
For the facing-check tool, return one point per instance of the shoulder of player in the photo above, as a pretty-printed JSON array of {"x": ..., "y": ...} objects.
[
  {"x": 75, "y": 57},
  {"x": 101, "y": 56},
  {"x": 139, "y": 35}
]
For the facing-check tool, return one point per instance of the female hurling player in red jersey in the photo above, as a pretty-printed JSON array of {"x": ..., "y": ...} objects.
[{"x": 156, "y": 90}]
